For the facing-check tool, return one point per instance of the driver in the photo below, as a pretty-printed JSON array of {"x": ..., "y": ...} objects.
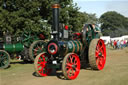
[{"x": 95, "y": 28}]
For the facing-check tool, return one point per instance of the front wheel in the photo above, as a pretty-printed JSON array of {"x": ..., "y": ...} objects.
[
  {"x": 4, "y": 59},
  {"x": 40, "y": 64},
  {"x": 97, "y": 54},
  {"x": 71, "y": 66}
]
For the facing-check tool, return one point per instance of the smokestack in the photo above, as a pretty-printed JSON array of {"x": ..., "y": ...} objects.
[{"x": 55, "y": 26}]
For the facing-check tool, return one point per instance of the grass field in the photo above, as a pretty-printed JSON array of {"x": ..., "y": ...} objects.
[{"x": 114, "y": 73}]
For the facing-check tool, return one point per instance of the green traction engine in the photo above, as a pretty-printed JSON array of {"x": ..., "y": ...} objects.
[
  {"x": 5, "y": 49},
  {"x": 70, "y": 52},
  {"x": 18, "y": 47},
  {"x": 25, "y": 47}
]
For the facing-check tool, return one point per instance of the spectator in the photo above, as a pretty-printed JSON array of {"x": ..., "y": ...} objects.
[
  {"x": 127, "y": 43},
  {"x": 115, "y": 44},
  {"x": 111, "y": 43},
  {"x": 118, "y": 44},
  {"x": 121, "y": 43},
  {"x": 124, "y": 43}
]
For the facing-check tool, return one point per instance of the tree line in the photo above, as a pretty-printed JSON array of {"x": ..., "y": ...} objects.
[
  {"x": 114, "y": 24},
  {"x": 36, "y": 15}
]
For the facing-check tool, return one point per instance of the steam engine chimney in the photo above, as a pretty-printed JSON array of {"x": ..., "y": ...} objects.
[{"x": 55, "y": 26}]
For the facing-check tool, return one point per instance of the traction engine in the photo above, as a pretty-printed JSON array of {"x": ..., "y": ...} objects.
[
  {"x": 70, "y": 53},
  {"x": 24, "y": 47}
]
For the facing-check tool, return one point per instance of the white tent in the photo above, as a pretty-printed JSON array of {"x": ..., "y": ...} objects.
[
  {"x": 125, "y": 37},
  {"x": 117, "y": 38},
  {"x": 106, "y": 39}
]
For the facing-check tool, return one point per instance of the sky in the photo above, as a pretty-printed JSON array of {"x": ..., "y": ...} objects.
[{"x": 101, "y": 6}]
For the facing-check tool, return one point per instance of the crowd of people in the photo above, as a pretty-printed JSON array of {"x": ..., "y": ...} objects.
[{"x": 119, "y": 44}]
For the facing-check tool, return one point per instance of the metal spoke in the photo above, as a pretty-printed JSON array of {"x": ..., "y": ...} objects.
[
  {"x": 68, "y": 64},
  {"x": 72, "y": 68},
  {"x": 71, "y": 58}
]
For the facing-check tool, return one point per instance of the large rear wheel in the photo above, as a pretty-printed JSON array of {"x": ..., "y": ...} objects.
[
  {"x": 71, "y": 66},
  {"x": 97, "y": 54},
  {"x": 4, "y": 59}
]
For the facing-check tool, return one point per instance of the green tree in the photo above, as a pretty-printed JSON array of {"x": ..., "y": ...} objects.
[
  {"x": 92, "y": 18},
  {"x": 36, "y": 15},
  {"x": 113, "y": 24},
  {"x": 17, "y": 15}
]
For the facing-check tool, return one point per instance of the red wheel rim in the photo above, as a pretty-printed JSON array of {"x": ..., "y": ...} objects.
[
  {"x": 100, "y": 54},
  {"x": 42, "y": 68},
  {"x": 72, "y": 66}
]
